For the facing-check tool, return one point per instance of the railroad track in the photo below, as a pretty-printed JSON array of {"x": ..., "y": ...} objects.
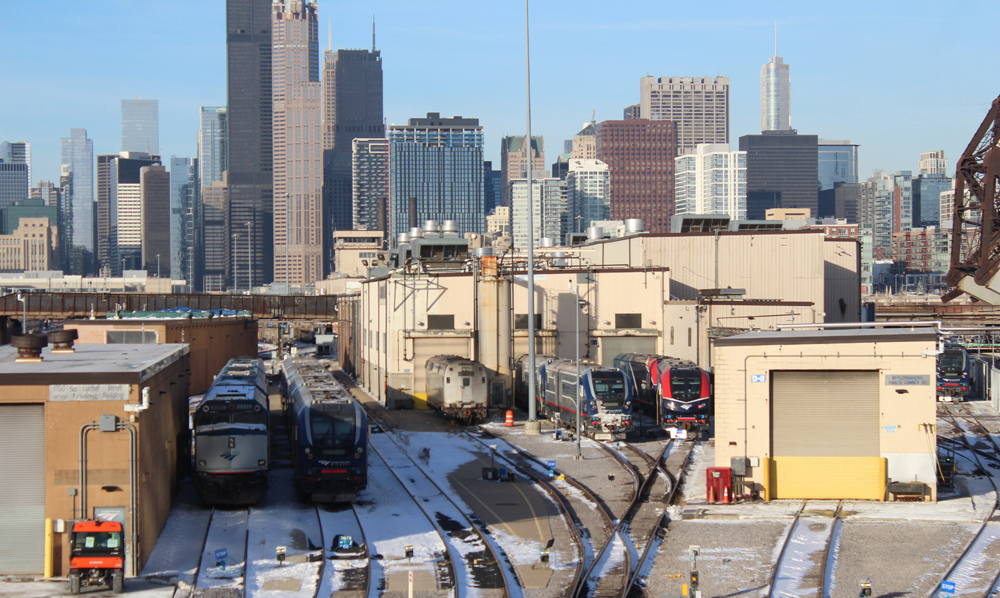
[
  {"x": 804, "y": 565},
  {"x": 614, "y": 569},
  {"x": 475, "y": 559},
  {"x": 343, "y": 573},
  {"x": 971, "y": 566},
  {"x": 226, "y": 528}
]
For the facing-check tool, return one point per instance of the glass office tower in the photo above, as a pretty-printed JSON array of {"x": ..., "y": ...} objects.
[{"x": 77, "y": 158}]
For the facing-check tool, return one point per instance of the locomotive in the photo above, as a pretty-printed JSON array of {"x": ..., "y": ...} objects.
[
  {"x": 953, "y": 373},
  {"x": 329, "y": 433},
  {"x": 230, "y": 436},
  {"x": 457, "y": 387},
  {"x": 605, "y": 397},
  {"x": 685, "y": 394},
  {"x": 637, "y": 368}
]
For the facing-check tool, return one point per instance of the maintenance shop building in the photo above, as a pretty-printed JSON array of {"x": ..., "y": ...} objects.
[{"x": 828, "y": 414}]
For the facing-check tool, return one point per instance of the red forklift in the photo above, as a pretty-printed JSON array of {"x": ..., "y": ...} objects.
[{"x": 97, "y": 556}]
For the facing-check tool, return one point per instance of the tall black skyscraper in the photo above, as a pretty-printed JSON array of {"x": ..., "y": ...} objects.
[
  {"x": 782, "y": 162},
  {"x": 248, "y": 51},
  {"x": 352, "y": 109}
]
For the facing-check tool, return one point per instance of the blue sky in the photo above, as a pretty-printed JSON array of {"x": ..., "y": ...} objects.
[{"x": 898, "y": 78}]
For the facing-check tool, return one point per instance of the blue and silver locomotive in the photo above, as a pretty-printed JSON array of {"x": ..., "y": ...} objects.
[
  {"x": 329, "y": 433},
  {"x": 230, "y": 434},
  {"x": 604, "y": 393}
]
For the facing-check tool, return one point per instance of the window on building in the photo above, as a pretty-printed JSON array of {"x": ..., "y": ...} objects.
[
  {"x": 628, "y": 320},
  {"x": 131, "y": 337},
  {"x": 441, "y": 322},
  {"x": 521, "y": 321}
]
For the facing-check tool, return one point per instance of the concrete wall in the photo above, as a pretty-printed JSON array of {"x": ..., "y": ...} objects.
[{"x": 908, "y": 420}]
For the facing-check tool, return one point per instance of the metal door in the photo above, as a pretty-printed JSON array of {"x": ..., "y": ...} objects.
[{"x": 22, "y": 493}]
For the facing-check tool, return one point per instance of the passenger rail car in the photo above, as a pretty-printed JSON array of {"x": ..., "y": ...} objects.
[
  {"x": 521, "y": 376},
  {"x": 953, "y": 374},
  {"x": 230, "y": 436},
  {"x": 605, "y": 394},
  {"x": 457, "y": 387},
  {"x": 329, "y": 433},
  {"x": 685, "y": 393}
]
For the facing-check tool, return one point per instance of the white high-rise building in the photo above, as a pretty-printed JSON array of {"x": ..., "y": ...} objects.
[
  {"x": 588, "y": 194},
  {"x": 141, "y": 126},
  {"x": 712, "y": 180},
  {"x": 548, "y": 209},
  {"x": 369, "y": 182},
  {"x": 933, "y": 163},
  {"x": 699, "y": 106},
  {"x": 775, "y": 95}
]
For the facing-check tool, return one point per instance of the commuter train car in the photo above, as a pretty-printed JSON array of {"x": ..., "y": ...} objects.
[
  {"x": 606, "y": 410},
  {"x": 230, "y": 436},
  {"x": 329, "y": 433},
  {"x": 637, "y": 368},
  {"x": 953, "y": 373},
  {"x": 521, "y": 375},
  {"x": 685, "y": 393},
  {"x": 457, "y": 387}
]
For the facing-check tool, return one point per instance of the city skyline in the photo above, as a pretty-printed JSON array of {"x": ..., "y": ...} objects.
[{"x": 487, "y": 55}]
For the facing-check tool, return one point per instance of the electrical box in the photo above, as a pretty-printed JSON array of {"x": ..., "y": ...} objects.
[
  {"x": 108, "y": 423},
  {"x": 739, "y": 465},
  {"x": 719, "y": 484}
]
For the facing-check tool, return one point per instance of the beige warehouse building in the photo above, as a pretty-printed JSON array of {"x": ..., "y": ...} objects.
[{"x": 828, "y": 414}]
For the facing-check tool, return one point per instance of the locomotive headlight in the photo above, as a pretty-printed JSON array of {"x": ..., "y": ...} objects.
[
  {"x": 261, "y": 463},
  {"x": 307, "y": 450},
  {"x": 201, "y": 464},
  {"x": 671, "y": 405},
  {"x": 360, "y": 449}
]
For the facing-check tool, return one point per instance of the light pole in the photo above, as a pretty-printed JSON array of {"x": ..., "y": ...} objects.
[
  {"x": 236, "y": 287},
  {"x": 249, "y": 261},
  {"x": 532, "y": 408},
  {"x": 24, "y": 313},
  {"x": 157, "y": 269},
  {"x": 288, "y": 282},
  {"x": 579, "y": 387}
]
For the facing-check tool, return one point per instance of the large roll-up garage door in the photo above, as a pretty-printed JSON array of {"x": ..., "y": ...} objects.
[
  {"x": 825, "y": 435},
  {"x": 22, "y": 493}
]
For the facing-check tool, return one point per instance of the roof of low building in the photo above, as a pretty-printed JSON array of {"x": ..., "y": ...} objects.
[
  {"x": 90, "y": 364},
  {"x": 830, "y": 336}
]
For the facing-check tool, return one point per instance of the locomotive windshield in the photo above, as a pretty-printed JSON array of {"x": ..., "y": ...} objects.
[
  {"x": 951, "y": 362},
  {"x": 211, "y": 418},
  {"x": 610, "y": 389},
  {"x": 332, "y": 431},
  {"x": 685, "y": 385}
]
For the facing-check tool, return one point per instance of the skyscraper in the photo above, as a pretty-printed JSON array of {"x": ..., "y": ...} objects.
[
  {"x": 775, "y": 95},
  {"x": 548, "y": 210},
  {"x": 514, "y": 161},
  {"x": 18, "y": 152},
  {"x": 119, "y": 196},
  {"x": 249, "y": 149},
  {"x": 585, "y": 143},
  {"x": 439, "y": 163},
  {"x": 77, "y": 159},
  {"x": 785, "y": 163},
  {"x": 712, "y": 181},
  {"x": 14, "y": 186},
  {"x": 837, "y": 163},
  {"x": 185, "y": 219},
  {"x": 352, "y": 109},
  {"x": 141, "y": 126},
  {"x": 699, "y": 106},
  {"x": 370, "y": 182},
  {"x": 640, "y": 157},
  {"x": 216, "y": 263},
  {"x": 154, "y": 210},
  {"x": 933, "y": 163},
  {"x": 298, "y": 144},
  {"x": 588, "y": 194},
  {"x": 492, "y": 187},
  {"x": 212, "y": 150},
  {"x": 49, "y": 193}
]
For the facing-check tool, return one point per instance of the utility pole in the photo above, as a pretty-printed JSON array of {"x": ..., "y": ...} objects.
[{"x": 249, "y": 260}]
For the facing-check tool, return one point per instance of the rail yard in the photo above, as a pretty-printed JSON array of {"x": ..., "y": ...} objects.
[{"x": 630, "y": 518}]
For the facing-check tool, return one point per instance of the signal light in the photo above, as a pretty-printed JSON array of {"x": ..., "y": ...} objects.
[{"x": 694, "y": 580}]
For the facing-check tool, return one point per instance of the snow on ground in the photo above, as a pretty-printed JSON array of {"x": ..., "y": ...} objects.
[
  {"x": 228, "y": 532},
  {"x": 467, "y": 545},
  {"x": 134, "y": 587},
  {"x": 613, "y": 558},
  {"x": 337, "y": 571},
  {"x": 281, "y": 520},
  {"x": 693, "y": 485},
  {"x": 388, "y": 514},
  {"x": 178, "y": 548},
  {"x": 803, "y": 552}
]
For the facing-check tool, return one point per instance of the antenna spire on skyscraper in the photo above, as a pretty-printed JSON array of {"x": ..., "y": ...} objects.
[
  {"x": 329, "y": 34},
  {"x": 373, "y": 33},
  {"x": 776, "y": 37}
]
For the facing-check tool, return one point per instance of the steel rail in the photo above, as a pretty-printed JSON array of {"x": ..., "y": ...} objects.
[
  {"x": 473, "y": 521},
  {"x": 976, "y": 454},
  {"x": 324, "y": 543},
  {"x": 784, "y": 545}
]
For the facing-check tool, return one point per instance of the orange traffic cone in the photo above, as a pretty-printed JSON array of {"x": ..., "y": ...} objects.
[
  {"x": 711, "y": 494},
  {"x": 725, "y": 496},
  {"x": 510, "y": 419}
]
